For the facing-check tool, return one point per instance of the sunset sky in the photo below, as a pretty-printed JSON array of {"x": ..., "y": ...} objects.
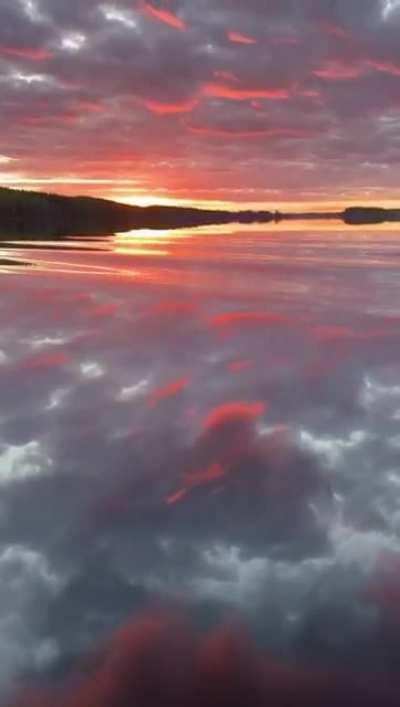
[{"x": 202, "y": 101}]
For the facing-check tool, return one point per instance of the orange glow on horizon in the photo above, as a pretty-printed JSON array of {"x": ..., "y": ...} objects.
[
  {"x": 133, "y": 192},
  {"x": 302, "y": 206}
]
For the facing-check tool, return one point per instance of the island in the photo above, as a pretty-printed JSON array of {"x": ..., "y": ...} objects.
[{"x": 370, "y": 214}]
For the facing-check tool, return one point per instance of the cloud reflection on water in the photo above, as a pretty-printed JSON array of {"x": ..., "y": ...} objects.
[{"x": 218, "y": 433}]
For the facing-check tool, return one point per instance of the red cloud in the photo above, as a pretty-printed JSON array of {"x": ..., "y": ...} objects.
[
  {"x": 104, "y": 311},
  {"x": 233, "y": 412},
  {"x": 204, "y": 477},
  {"x": 334, "y": 30},
  {"x": 65, "y": 119},
  {"x": 170, "y": 390},
  {"x": 26, "y": 53},
  {"x": 232, "y": 133},
  {"x": 333, "y": 333},
  {"x": 227, "y": 436},
  {"x": 387, "y": 67},
  {"x": 384, "y": 586},
  {"x": 159, "y": 661},
  {"x": 173, "y": 308},
  {"x": 239, "y": 38},
  {"x": 91, "y": 106},
  {"x": 228, "y": 320},
  {"x": 225, "y": 75},
  {"x": 338, "y": 71},
  {"x": 163, "y": 15},
  {"x": 239, "y": 366},
  {"x": 219, "y": 90},
  {"x": 47, "y": 361},
  {"x": 229, "y": 132},
  {"x": 176, "y": 497},
  {"x": 170, "y": 108}
]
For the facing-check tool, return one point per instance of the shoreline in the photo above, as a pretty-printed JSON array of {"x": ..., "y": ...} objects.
[{"x": 25, "y": 215}]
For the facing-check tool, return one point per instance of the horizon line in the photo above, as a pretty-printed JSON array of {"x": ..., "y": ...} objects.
[{"x": 316, "y": 206}]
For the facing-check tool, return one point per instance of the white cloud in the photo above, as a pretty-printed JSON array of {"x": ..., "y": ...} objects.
[
  {"x": 25, "y": 578},
  {"x": 92, "y": 370},
  {"x": 394, "y": 442},
  {"x": 134, "y": 391},
  {"x": 39, "y": 342},
  {"x": 246, "y": 581},
  {"x": 332, "y": 448},
  {"x": 228, "y": 575},
  {"x": 73, "y": 42},
  {"x": 25, "y": 563},
  {"x": 372, "y": 392},
  {"x": 116, "y": 14},
  {"x": 21, "y": 78},
  {"x": 32, "y": 10},
  {"x": 56, "y": 398},
  {"x": 22, "y": 462},
  {"x": 389, "y": 7},
  {"x": 360, "y": 548}
]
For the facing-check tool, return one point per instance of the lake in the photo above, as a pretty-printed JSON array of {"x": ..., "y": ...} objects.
[{"x": 201, "y": 428}]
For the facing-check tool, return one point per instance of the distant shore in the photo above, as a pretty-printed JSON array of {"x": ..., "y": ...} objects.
[{"x": 29, "y": 214}]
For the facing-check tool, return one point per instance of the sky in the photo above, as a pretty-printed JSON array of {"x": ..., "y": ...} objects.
[{"x": 202, "y": 102}]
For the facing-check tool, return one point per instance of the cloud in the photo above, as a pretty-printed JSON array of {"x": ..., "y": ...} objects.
[
  {"x": 388, "y": 8},
  {"x": 272, "y": 493},
  {"x": 170, "y": 108},
  {"x": 342, "y": 59},
  {"x": 239, "y": 38},
  {"x": 337, "y": 71},
  {"x": 163, "y": 15},
  {"x": 385, "y": 66},
  {"x": 20, "y": 462},
  {"x": 131, "y": 392},
  {"x": 25, "y": 581},
  {"x": 217, "y": 669},
  {"x": 216, "y": 90},
  {"x": 28, "y": 53},
  {"x": 92, "y": 370},
  {"x": 169, "y": 390},
  {"x": 227, "y": 435},
  {"x": 231, "y": 413},
  {"x": 227, "y": 322}
]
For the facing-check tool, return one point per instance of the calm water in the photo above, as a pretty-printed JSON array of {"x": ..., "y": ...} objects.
[{"x": 201, "y": 423}]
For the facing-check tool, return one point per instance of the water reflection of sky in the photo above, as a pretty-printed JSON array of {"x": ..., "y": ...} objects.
[{"x": 204, "y": 420}]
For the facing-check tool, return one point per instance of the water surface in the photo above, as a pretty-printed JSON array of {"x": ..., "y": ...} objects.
[{"x": 205, "y": 421}]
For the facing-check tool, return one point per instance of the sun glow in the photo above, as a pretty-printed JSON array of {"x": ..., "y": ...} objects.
[
  {"x": 317, "y": 205},
  {"x": 133, "y": 192}
]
